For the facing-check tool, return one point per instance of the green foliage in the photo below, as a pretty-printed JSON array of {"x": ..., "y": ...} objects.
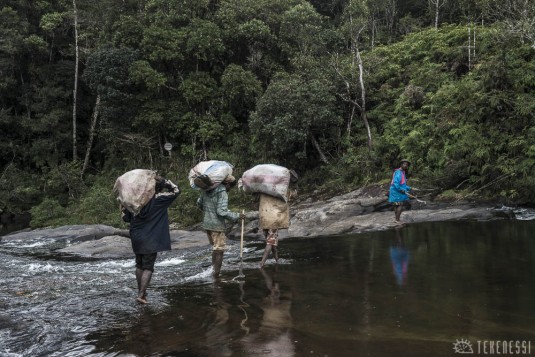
[
  {"x": 468, "y": 130},
  {"x": 98, "y": 205},
  {"x": 51, "y": 21},
  {"x": 293, "y": 109},
  {"x": 260, "y": 81},
  {"x": 204, "y": 40},
  {"x": 143, "y": 73},
  {"x": 48, "y": 213}
]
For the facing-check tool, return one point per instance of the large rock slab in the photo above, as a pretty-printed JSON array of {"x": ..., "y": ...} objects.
[
  {"x": 116, "y": 246},
  {"x": 362, "y": 210},
  {"x": 356, "y": 213},
  {"x": 107, "y": 247},
  {"x": 73, "y": 233}
]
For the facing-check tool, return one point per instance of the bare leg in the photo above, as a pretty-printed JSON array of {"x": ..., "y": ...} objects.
[
  {"x": 275, "y": 253},
  {"x": 397, "y": 211},
  {"x": 139, "y": 273},
  {"x": 145, "y": 280},
  {"x": 266, "y": 254}
]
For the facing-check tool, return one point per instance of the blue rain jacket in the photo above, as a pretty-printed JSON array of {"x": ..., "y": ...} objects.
[{"x": 398, "y": 184}]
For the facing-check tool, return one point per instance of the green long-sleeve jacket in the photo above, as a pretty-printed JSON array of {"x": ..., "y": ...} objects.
[{"x": 214, "y": 204}]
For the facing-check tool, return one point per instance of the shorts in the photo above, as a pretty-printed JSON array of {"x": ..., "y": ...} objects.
[
  {"x": 146, "y": 261},
  {"x": 218, "y": 240},
  {"x": 406, "y": 204},
  {"x": 272, "y": 236}
]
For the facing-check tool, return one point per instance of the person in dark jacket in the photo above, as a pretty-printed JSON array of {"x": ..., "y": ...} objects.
[{"x": 149, "y": 232}]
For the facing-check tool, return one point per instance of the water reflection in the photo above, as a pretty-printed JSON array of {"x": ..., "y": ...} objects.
[
  {"x": 335, "y": 296},
  {"x": 218, "y": 328},
  {"x": 399, "y": 257},
  {"x": 273, "y": 337}
]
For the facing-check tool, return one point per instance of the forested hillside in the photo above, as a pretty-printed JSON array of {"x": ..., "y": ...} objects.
[{"x": 338, "y": 90}]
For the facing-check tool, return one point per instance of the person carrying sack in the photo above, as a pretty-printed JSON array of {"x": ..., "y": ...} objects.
[
  {"x": 274, "y": 214},
  {"x": 214, "y": 204},
  {"x": 149, "y": 232}
]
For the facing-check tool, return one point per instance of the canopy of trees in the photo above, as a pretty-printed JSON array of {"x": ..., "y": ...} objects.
[{"x": 336, "y": 89}]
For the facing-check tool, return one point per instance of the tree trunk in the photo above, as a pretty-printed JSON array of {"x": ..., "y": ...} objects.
[
  {"x": 75, "y": 90},
  {"x": 391, "y": 14},
  {"x": 438, "y": 4},
  {"x": 363, "y": 114},
  {"x": 91, "y": 135},
  {"x": 436, "y": 13},
  {"x": 323, "y": 158}
]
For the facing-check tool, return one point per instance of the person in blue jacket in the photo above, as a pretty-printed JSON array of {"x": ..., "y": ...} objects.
[
  {"x": 149, "y": 232},
  {"x": 399, "y": 189}
]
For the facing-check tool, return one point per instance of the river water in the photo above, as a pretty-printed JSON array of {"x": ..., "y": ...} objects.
[{"x": 430, "y": 289}]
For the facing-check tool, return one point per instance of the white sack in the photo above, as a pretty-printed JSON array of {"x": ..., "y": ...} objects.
[
  {"x": 270, "y": 179},
  {"x": 135, "y": 188},
  {"x": 216, "y": 170}
]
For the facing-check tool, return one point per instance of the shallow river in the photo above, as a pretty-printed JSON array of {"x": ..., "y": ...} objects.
[{"x": 433, "y": 289}]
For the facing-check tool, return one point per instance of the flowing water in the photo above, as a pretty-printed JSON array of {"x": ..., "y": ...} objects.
[{"x": 430, "y": 289}]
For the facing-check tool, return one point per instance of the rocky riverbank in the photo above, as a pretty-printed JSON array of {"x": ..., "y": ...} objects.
[{"x": 363, "y": 210}]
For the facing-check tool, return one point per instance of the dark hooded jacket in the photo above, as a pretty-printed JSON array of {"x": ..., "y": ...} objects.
[{"x": 149, "y": 230}]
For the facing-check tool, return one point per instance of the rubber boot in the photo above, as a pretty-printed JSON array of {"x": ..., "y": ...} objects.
[
  {"x": 266, "y": 255},
  {"x": 145, "y": 280},
  {"x": 217, "y": 262}
]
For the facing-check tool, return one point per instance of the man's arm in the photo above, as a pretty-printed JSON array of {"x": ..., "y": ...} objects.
[{"x": 222, "y": 208}]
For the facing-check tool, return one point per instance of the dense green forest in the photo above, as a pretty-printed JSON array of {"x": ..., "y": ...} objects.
[{"x": 338, "y": 90}]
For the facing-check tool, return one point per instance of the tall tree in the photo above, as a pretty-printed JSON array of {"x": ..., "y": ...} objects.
[
  {"x": 517, "y": 16},
  {"x": 435, "y": 6},
  {"x": 350, "y": 68},
  {"x": 295, "y": 111},
  {"x": 75, "y": 90}
]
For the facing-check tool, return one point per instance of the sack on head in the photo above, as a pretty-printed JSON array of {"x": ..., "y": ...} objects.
[
  {"x": 134, "y": 189},
  {"x": 270, "y": 179},
  {"x": 207, "y": 175}
]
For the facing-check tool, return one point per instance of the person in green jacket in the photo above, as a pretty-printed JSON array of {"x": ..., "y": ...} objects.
[{"x": 214, "y": 204}]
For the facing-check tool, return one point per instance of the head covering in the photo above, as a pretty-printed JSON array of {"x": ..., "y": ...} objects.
[
  {"x": 293, "y": 176},
  {"x": 404, "y": 160},
  {"x": 229, "y": 179},
  {"x": 160, "y": 184}
]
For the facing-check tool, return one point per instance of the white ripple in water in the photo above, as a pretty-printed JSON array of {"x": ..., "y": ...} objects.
[
  {"x": 524, "y": 214},
  {"x": 170, "y": 262},
  {"x": 203, "y": 275}
]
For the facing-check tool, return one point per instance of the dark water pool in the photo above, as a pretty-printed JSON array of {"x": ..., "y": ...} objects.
[
  {"x": 433, "y": 289},
  {"x": 416, "y": 291}
]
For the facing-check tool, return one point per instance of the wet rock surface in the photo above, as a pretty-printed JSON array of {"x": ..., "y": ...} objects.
[{"x": 362, "y": 210}]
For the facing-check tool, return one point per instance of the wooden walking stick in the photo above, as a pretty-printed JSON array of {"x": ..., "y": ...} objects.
[
  {"x": 416, "y": 198},
  {"x": 241, "y": 275}
]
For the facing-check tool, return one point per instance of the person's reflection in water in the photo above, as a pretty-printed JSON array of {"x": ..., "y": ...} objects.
[
  {"x": 399, "y": 255},
  {"x": 218, "y": 330},
  {"x": 273, "y": 336}
]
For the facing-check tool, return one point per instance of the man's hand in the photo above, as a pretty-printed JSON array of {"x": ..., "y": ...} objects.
[
  {"x": 249, "y": 216},
  {"x": 171, "y": 186}
]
